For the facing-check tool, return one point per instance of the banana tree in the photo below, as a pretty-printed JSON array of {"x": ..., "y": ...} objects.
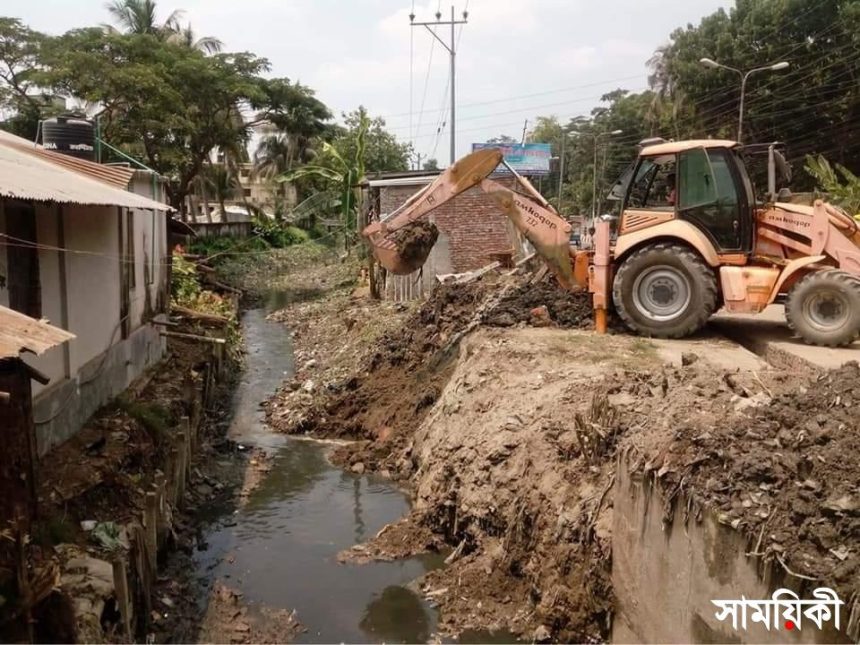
[{"x": 346, "y": 175}]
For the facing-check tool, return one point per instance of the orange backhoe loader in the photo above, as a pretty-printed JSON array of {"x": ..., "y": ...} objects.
[{"x": 690, "y": 239}]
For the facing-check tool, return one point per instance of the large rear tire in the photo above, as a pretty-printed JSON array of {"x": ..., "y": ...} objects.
[
  {"x": 665, "y": 290},
  {"x": 823, "y": 308}
]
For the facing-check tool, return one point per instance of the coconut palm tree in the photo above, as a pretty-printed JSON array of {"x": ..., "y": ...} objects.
[
  {"x": 141, "y": 17},
  {"x": 344, "y": 174},
  {"x": 186, "y": 36},
  {"x": 224, "y": 184}
]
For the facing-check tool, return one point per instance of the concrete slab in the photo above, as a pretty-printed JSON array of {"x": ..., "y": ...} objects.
[
  {"x": 717, "y": 351},
  {"x": 768, "y": 334}
]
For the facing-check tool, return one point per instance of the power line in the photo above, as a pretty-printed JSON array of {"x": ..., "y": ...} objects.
[{"x": 507, "y": 99}]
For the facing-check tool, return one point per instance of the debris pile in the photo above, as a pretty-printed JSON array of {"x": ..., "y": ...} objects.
[
  {"x": 785, "y": 472},
  {"x": 398, "y": 381}
]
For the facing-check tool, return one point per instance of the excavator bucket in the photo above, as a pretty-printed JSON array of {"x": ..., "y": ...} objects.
[{"x": 401, "y": 243}]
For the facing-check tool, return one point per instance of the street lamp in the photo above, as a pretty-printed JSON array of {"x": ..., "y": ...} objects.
[
  {"x": 596, "y": 138},
  {"x": 712, "y": 64}
]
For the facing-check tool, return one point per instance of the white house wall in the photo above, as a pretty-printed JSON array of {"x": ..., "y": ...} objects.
[
  {"x": 4, "y": 292},
  {"x": 93, "y": 280},
  {"x": 52, "y": 362}
]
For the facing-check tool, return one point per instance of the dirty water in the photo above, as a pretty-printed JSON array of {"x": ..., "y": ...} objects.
[{"x": 279, "y": 549}]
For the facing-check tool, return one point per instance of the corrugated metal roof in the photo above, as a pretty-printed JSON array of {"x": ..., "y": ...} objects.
[
  {"x": 20, "y": 333},
  {"x": 118, "y": 176},
  {"x": 28, "y": 176}
]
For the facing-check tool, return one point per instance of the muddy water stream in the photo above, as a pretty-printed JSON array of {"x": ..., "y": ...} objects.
[{"x": 279, "y": 549}]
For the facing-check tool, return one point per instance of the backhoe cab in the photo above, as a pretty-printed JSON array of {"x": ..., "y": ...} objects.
[{"x": 690, "y": 239}]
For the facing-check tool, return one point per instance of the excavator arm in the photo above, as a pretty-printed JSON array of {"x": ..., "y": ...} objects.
[{"x": 530, "y": 213}]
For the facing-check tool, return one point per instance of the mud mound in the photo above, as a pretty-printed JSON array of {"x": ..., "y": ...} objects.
[
  {"x": 388, "y": 397},
  {"x": 415, "y": 240},
  {"x": 566, "y": 308},
  {"x": 786, "y": 474}
]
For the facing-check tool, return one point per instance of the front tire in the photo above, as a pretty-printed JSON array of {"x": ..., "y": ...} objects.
[
  {"x": 665, "y": 290},
  {"x": 823, "y": 308}
]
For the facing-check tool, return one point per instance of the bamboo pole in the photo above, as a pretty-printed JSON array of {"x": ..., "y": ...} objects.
[
  {"x": 120, "y": 582},
  {"x": 201, "y": 339},
  {"x": 182, "y": 466},
  {"x": 160, "y": 520},
  {"x": 150, "y": 521},
  {"x": 174, "y": 476},
  {"x": 199, "y": 315}
]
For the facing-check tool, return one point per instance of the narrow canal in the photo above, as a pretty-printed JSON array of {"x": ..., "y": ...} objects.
[{"x": 279, "y": 549}]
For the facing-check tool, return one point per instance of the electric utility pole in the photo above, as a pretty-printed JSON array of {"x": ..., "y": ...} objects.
[{"x": 451, "y": 51}]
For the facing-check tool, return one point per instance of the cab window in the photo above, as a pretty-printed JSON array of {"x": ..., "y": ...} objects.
[{"x": 653, "y": 187}]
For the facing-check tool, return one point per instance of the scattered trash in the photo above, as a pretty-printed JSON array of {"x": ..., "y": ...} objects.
[{"x": 107, "y": 534}]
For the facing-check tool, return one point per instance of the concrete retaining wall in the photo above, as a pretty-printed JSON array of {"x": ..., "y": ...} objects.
[
  {"x": 62, "y": 409},
  {"x": 665, "y": 577}
]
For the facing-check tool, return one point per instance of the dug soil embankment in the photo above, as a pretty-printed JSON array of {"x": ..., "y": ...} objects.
[{"x": 510, "y": 437}]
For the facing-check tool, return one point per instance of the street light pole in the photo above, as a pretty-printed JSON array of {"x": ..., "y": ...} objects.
[
  {"x": 561, "y": 169},
  {"x": 707, "y": 62},
  {"x": 453, "y": 55}
]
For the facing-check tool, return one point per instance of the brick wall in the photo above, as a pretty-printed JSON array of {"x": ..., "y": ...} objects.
[{"x": 475, "y": 227}]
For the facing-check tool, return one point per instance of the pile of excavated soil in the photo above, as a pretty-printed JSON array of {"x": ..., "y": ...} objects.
[
  {"x": 785, "y": 472},
  {"x": 386, "y": 399},
  {"x": 415, "y": 240},
  {"x": 566, "y": 308}
]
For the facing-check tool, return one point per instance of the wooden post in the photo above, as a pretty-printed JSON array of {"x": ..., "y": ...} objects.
[
  {"x": 196, "y": 416},
  {"x": 160, "y": 520},
  {"x": 188, "y": 392},
  {"x": 185, "y": 426},
  {"x": 145, "y": 572},
  {"x": 174, "y": 476},
  {"x": 120, "y": 583},
  {"x": 150, "y": 521},
  {"x": 182, "y": 469}
]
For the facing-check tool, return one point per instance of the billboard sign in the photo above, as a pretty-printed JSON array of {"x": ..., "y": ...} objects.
[{"x": 527, "y": 159}]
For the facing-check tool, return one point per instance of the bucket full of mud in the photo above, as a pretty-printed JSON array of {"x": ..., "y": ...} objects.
[{"x": 404, "y": 250}]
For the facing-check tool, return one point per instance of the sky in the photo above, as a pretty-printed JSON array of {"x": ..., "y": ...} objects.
[{"x": 516, "y": 59}]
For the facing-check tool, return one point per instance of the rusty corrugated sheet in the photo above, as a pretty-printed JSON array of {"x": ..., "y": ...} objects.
[
  {"x": 20, "y": 333},
  {"x": 28, "y": 176},
  {"x": 114, "y": 175}
]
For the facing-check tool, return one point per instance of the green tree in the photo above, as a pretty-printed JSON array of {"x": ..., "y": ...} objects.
[
  {"x": 343, "y": 173},
  {"x": 224, "y": 185},
  {"x": 298, "y": 122},
  {"x": 20, "y": 47},
  {"x": 431, "y": 164},
  {"x": 167, "y": 104},
  {"x": 841, "y": 185},
  {"x": 812, "y": 106},
  {"x": 382, "y": 151}
]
